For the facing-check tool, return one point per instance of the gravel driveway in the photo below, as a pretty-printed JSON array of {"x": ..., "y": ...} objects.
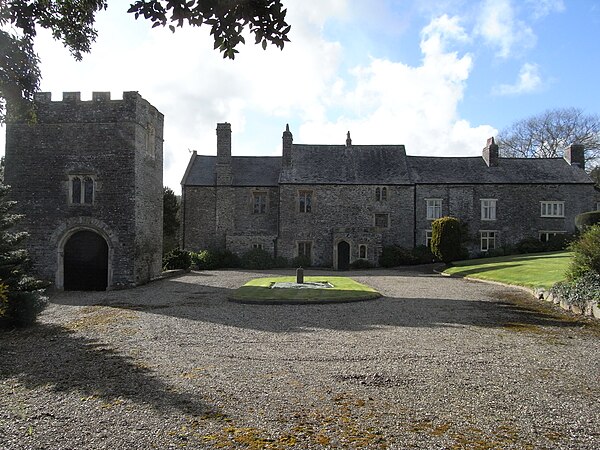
[{"x": 436, "y": 363}]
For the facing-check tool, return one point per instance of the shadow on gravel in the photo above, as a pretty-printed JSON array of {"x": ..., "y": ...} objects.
[
  {"x": 50, "y": 355},
  {"x": 198, "y": 302}
]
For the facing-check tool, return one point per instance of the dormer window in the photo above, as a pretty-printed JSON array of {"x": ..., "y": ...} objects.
[{"x": 81, "y": 189}]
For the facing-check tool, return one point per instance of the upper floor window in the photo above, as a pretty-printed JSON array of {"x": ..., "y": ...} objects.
[
  {"x": 382, "y": 220},
  {"x": 381, "y": 194},
  {"x": 434, "y": 208},
  {"x": 81, "y": 189},
  {"x": 488, "y": 240},
  {"x": 488, "y": 209},
  {"x": 305, "y": 201},
  {"x": 552, "y": 209},
  {"x": 259, "y": 202},
  {"x": 362, "y": 251}
]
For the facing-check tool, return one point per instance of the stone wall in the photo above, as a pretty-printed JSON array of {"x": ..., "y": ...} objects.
[{"x": 100, "y": 138}]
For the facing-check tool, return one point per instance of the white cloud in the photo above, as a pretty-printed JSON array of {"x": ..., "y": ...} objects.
[
  {"x": 542, "y": 8},
  {"x": 529, "y": 80},
  {"x": 500, "y": 28}
]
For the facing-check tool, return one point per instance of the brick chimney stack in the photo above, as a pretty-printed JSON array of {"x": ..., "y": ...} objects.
[
  {"x": 490, "y": 153},
  {"x": 224, "y": 176},
  {"x": 575, "y": 155},
  {"x": 288, "y": 140}
]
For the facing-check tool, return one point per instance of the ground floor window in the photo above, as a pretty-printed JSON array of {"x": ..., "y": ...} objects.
[
  {"x": 545, "y": 236},
  {"x": 382, "y": 220},
  {"x": 305, "y": 250},
  {"x": 259, "y": 246},
  {"x": 362, "y": 251},
  {"x": 488, "y": 240},
  {"x": 428, "y": 235}
]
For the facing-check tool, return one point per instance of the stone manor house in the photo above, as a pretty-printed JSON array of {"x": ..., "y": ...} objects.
[
  {"x": 337, "y": 203},
  {"x": 88, "y": 177}
]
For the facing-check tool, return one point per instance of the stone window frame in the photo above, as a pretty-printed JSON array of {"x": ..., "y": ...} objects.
[
  {"x": 361, "y": 254},
  {"x": 428, "y": 237},
  {"x": 597, "y": 206},
  {"x": 387, "y": 215},
  {"x": 552, "y": 208},
  {"x": 488, "y": 237},
  {"x": 434, "y": 210},
  {"x": 258, "y": 246},
  {"x": 549, "y": 234},
  {"x": 82, "y": 177},
  {"x": 257, "y": 194},
  {"x": 305, "y": 207},
  {"x": 305, "y": 245},
  {"x": 381, "y": 194},
  {"x": 488, "y": 209}
]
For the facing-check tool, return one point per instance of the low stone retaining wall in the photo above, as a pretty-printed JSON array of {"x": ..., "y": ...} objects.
[{"x": 591, "y": 308}]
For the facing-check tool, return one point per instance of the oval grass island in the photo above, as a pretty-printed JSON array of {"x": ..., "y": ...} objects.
[{"x": 343, "y": 289}]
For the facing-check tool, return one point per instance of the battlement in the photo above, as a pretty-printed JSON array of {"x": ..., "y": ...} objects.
[{"x": 100, "y": 109}]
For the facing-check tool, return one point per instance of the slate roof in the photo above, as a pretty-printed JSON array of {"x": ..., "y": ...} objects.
[
  {"x": 474, "y": 170},
  {"x": 339, "y": 164},
  {"x": 246, "y": 170}
]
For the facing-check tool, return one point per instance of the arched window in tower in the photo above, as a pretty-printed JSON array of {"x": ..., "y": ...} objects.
[
  {"x": 362, "y": 252},
  {"x": 76, "y": 190}
]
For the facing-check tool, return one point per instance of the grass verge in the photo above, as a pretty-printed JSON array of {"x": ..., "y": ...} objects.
[
  {"x": 530, "y": 270},
  {"x": 344, "y": 290}
]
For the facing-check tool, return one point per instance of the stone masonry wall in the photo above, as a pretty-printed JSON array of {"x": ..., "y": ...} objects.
[
  {"x": 338, "y": 206},
  {"x": 199, "y": 218}
]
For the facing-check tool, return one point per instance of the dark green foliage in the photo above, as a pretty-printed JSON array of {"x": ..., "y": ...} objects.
[
  {"x": 257, "y": 258},
  {"x": 530, "y": 245},
  {"x": 22, "y": 296},
  {"x": 587, "y": 219},
  {"x": 586, "y": 288},
  {"x": 177, "y": 259},
  {"x": 423, "y": 255},
  {"x": 215, "y": 259},
  {"x": 446, "y": 239},
  {"x": 170, "y": 220},
  {"x": 300, "y": 261},
  {"x": 361, "y": 264},
  {"x": 280, "y": 262},
  {"x": 392, "y": 256},
  {"x": 586, "y": 253}
]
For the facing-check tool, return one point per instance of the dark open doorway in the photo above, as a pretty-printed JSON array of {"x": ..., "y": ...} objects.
[
  {"x": 86, "y": 262},
  {"x": 343, "y": 253}
]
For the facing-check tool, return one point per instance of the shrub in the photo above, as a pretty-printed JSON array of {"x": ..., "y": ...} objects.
[
  {"x": 177, "y": 259},
  {"x": 423, "y": 255},
  {"x": 280, "y": 262},
  {"x": 361, "y": 264},
  {"x": 300, "y": 261},
  {"x": 530, "y": 245},
  {"x": 445, "y": 239},
  {"x": 215, "y": 259},
  {"x": 579, "y": 292},
  {"x": 558, "y": 242},
  {"x": 257, "y": 258},
  {"x": 586, "y": 253},
  {"x": 587, "y": 219},
  {"x": 392, "y": 256}
]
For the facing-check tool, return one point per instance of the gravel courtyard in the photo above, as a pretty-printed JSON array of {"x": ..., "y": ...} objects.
[{"x": 436, "y": 363}]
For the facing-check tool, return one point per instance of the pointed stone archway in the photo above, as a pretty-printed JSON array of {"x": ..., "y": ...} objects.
[
  {"x": 343, "y": 255},
  {"x": 85, "y": 262}
]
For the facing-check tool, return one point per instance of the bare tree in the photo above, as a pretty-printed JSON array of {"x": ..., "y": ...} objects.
[{"x": 549, "y": 133}]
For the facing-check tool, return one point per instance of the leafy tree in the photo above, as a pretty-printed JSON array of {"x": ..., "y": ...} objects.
[
  {"x": 549, "y": 133},
  {"x": 21, "y": 298},
  {"x": 446, "y": 239},
  {"x": 72, "y": 23},
  {"x": 170, "y": 220}
]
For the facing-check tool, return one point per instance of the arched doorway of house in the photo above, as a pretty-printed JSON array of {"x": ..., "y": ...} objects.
[
  {"x": 343, "y": 254},
  {"x": 86, "y": 262}
]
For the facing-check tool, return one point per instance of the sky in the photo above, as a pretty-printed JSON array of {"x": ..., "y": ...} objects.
[{"x": 439, "y": 77}]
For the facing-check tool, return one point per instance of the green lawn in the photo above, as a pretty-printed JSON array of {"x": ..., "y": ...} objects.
[
  {"x": 344, "y": 290},
  {"x": 531, "y": 270}
]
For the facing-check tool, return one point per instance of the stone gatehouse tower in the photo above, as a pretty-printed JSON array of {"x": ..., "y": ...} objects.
[{"x": 88, "y": 178}]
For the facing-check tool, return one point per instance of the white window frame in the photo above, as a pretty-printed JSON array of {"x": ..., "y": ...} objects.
[
  {"x": 549, "y": 234},
  {"x": 488, "y": 209},
  {"x": 552, "y": 208},
  {"x": 82, "y": 178},
  {"x": 484, "y": 237},
  {"x": 434, "y": 208},
  {"x": 258, "y": 246},
  {"x": 428, "y": 237}
]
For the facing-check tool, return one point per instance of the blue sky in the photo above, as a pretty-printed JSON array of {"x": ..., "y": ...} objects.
[{"x": 438, "y": 76}]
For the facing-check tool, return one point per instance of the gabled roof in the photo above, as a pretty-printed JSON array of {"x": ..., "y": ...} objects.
[
  {"x": 246, "y": 170},
  {"x": 340, "y": 164},
  {"x": 474, "y": 170}
]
